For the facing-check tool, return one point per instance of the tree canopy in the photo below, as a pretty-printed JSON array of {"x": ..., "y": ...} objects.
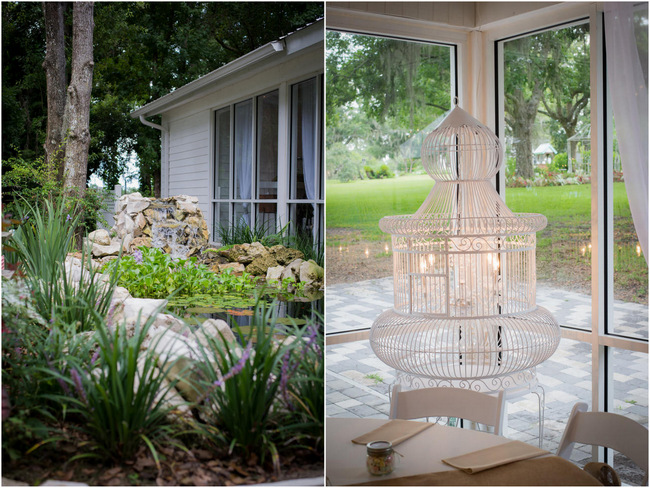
[
  {"x": 380, "y": 92},
  {"x": 142, "y": 51}
]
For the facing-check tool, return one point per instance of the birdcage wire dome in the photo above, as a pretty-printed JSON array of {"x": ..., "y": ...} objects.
[{"x": 464, "y": 269}]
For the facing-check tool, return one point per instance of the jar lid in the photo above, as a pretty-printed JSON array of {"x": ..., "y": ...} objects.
[{"x": 379, "y": 447}]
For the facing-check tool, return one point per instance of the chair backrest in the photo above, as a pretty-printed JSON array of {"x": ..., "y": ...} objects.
[
  {"x": 472, "y": 405},
  {"x": 608, "y": 430}
]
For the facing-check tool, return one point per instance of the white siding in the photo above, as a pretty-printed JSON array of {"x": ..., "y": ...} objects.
[{"x": 189, "y": 157}]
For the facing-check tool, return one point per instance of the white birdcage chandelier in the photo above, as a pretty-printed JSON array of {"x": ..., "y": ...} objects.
[{"x": 464, "y": 270}]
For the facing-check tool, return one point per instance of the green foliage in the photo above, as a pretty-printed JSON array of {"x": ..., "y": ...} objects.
[
  {"x": 119, "y": 393},
  {"x": 29, "y": 350},
  {"x": 304, "y": 242},
  {"x": 42, "y": 243},
  {"x": 560, "y": 162},
  {"x": 240, "y": 389},
  {"x": 142, "y": 51},
  {"x": 240, "y": 233},
  {"x": 302, "y": 388},
  {"x": 159, "y": 276}
]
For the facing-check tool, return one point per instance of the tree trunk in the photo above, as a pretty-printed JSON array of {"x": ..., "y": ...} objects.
[
  {"x": 77, "y": 107},
  {"x": 54, "y": 65}
]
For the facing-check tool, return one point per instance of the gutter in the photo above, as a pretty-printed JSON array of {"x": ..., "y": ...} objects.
[{"x": 151, "y": 124}]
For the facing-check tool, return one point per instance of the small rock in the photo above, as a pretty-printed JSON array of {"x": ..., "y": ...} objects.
[
  {"x": 101, "y": 251},
  {"x": 292, "y": 270},
  {"x": 236, "y": 267},
  {"x": 274, "y": 273},
  {"x": 100, "y": 236},
  {"x": 217, "y": 329},
  {"x": 170, "y": 322},
  {"x": 126, "y": 243},
  {"x": 140, "y": 242},
  {"x": 310, "y": 271},
  {"x": 285, "y": 255},
  {"x": 261, "y": 264}
]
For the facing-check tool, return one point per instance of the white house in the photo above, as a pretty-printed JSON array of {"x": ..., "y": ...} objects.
[{"x": 247, "y": 138}]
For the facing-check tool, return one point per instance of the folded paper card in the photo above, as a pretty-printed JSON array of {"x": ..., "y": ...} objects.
[
  {"x": 395, "y": 431},
  {"x": 474, "y": 462}
]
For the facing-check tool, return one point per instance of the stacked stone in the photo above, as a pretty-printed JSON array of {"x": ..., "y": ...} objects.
[{"x": 138, "y": 217}]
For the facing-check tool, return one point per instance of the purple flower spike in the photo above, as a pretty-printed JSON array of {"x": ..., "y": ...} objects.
[
  {"x": 68, "y": 218},
  {"x": 78, "y": 386},
  {"x": 137, "y": 255}
]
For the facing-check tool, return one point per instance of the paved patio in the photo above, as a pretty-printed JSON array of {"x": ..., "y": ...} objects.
[{"x": 357, "y": 382}]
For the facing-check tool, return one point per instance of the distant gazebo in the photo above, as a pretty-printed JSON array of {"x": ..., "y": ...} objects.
[
  {"x": 544, "y": 153},
  {"x": 577, "y": 160}
]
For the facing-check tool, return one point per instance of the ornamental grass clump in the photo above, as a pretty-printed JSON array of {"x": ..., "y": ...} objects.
[
  {"x": 42, "y": 242},
  {"x": 302, "y": 389},
  {"x": 240, "y": 385},
  {"x": 119, "y": 396}
]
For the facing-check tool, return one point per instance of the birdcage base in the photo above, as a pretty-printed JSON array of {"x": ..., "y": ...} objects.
[{"x": 464, "y": 348}]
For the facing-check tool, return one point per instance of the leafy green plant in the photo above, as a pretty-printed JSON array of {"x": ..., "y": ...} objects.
[
  {"x": 302, "y": 388},
  {"x": 119, "y": 394},
  {"x": 240, "y": 232},
  {"x": 240, "y": 387},
  {"x": 304, "y": 242},
  {"x": 29, "y": 349},
  {"x": 42, "y": 243},
  {"x": 560, "y": 162},
  {"x": 150, "y": 273}
]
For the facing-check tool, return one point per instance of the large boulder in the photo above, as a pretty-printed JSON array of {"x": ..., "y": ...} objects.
[{"x": 100, "y": 251}]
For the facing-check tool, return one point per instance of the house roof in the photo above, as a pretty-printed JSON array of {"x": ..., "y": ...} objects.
[
  {"x": 285, "y": 46},
  {"x": 545, "y": 148}
]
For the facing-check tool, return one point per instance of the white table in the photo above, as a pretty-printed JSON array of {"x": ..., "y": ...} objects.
[
  {"x": 423, "y": 453},
  {"x": 345, "y": 462}
]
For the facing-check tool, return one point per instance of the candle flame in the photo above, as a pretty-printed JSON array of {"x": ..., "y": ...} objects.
[{"x": 638, "y": 250}]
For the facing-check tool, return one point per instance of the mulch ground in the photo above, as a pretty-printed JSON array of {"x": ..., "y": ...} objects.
[{"x": 192, "y": 467}]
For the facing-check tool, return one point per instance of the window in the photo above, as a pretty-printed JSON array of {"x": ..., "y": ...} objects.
[
  {"x": 262, "y": 180},
  {"x": 306, "y": 186}
]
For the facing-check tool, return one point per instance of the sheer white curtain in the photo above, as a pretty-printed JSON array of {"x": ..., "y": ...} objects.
[
  {"x": 629, "y": 92},
  {"x": 244, "y": 153},
  {"x": 308, "y": 100}
]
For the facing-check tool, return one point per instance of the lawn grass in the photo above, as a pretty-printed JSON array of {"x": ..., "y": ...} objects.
[{"x": 563, "y": 254}]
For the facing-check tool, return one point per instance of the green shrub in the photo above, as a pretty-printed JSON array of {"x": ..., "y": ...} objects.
[
  {"x": 240, "y": 389},
  {"x": 385, "y": 172},
  {"x": 241, "y": 233},
  {"x": 42, "y": 243},
  {"x": 30, "y": 348},
  {"x": 560, "y": 162},
  {"x": 302, "y": 389},
  {"x": 119, "y": 394},
  {"x": 370, "y": 173}
]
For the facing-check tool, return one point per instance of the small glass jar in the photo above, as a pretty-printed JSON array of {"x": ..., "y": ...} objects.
[{"x": 380, "y": 459}]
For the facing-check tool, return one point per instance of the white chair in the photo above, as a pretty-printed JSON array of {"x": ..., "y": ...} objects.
[
  {"x": 471, "y": 405},
  {"x": 608, "y": 430}
]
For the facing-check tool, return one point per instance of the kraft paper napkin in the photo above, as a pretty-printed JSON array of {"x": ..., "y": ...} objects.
[
  {"x": 477, "y": 461},
  {"x": 395, "y": 431}
]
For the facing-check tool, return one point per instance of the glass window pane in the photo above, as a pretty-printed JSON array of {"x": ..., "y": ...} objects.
[
  {"x": 630, "y": 266},
  {"x": 220, "y": 218},
  {"x": 266, "y": 217},
  {"x": 222, "y": 155},
  {"x": 547, "y": 161},
  {"x": 242, "y": 214},
  {"x": 302, "y": 218},
  {"x": 304, "y": 131},
  {"x": 267, "y": 145},
  {"x": 566, "y": 379},
  {"x": 243, "y": 145},
  {"x": 630, "y": 392}
]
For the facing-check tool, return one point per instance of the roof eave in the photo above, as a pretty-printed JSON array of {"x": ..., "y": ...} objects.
[{"x": 292, "y": 43}]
